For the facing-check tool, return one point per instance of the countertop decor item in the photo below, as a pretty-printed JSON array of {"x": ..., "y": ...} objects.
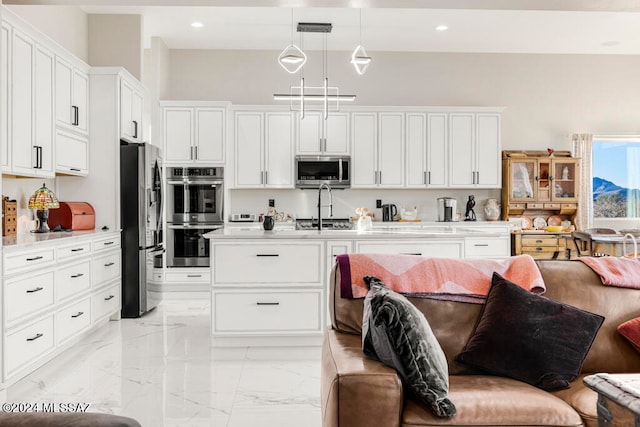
[
  {"x": 43, "y": 200},
  {"x": 364, "y": 219},
  {"x": 527, "y": 223},
  {"x": 539, "y": 223},
  {"x": 554, "y": 220},
  {"x": 492, "y": 210},
  {"x": 470, "y": 215}
]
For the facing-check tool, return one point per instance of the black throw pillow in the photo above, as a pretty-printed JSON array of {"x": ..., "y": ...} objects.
[
  {"x": 396, "y": 333},
  {"x": 529, "y": 337}
]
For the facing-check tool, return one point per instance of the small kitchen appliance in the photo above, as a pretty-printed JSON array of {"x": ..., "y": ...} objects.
[
  {"x": 244, "y": 217},
  {"x": 389, "y": 212},
  {"x": 73, "y": 216},
  {"x": 446, "y": 209}
]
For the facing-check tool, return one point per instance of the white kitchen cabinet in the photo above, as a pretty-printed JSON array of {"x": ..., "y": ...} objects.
[
  {"x": 264, "y": 149},
  {"x": 72, "y": 97},
  {"x": 194, "y": 133},
  {"x": 72, "y": 153},
  {"x": 447, "y": 248},
  {"x": 378, "y": 150},
  {"x": 5, "y": 91},
  {"x": 31, "y": 107},
  {"x": 131, "y": 110},
  {"x": 474, "y": 160},
  {"x": 427, "y": 144},
  {"x": 317, "y": 136}
]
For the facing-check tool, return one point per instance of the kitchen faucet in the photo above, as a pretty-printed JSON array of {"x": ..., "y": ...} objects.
[{"x": 320, "y": 205}]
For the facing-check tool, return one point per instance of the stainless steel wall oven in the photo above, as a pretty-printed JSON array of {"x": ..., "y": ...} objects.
[{"x": 195, "y": 206}]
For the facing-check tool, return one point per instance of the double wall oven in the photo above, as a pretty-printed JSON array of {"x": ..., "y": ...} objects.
[{"x": 194, "y": 200}]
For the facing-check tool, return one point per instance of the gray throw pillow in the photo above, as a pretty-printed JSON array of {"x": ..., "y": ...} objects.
[{"x": 397, "y": 334}]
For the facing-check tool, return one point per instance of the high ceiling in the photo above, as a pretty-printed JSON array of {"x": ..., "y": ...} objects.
[{"x": 606, "y": 27}]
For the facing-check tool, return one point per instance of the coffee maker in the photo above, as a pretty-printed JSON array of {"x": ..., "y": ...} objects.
[
  {"x": 446, "y": 209},
  {"x": 389, "y": 212}
]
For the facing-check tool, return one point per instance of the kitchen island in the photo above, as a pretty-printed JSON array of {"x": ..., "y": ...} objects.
[{"x": 269, "y": 288}]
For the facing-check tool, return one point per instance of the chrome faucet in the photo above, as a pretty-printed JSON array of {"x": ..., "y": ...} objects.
[{"x": 320, "y": 205}]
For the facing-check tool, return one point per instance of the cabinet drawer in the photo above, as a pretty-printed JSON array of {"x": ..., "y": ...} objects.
[
  {"x": 267, "y": 311},
  {"x": 106, "y": 243},
  {"x": 28, "y": 344},
  {"x": 105, "y": 302},
  {"x": 77, "y": 250},
  {"x": 105, "y": 268},
  {"x": 273, "y": 263},
  {"x": 516, "y": 206},
  {"x": 28, "y": 294},
  {"x": 535, "y": 205},
  {"x": 25, "y": 260},
  {"x": 72, "y": 279},
  {"x": 73, "y": 319},
  {"x": 539, "y": 241},
  {"x": 446, "y": 249},
  {"x": 487, "y": 248},
  {"x": 186, "y": 277},
  {"x": 554, "y": 206},
  {"x": 544, "y": 253}
]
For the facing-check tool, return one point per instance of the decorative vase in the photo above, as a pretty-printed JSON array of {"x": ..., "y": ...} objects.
[
  {"x": 268, "y": 223},
  {"x": 492, "y": 210}
]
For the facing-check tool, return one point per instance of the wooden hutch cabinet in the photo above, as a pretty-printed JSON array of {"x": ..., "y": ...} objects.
[{"x": 535, "y": 186}]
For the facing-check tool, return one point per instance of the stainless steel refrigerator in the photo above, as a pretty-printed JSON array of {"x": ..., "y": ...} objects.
[{"x": 141, "y": 222}]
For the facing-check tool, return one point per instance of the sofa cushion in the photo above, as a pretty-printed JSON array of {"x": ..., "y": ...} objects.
[
  {"x": 483, "y": 400},
  {"x": 396, "y": 333},
  {"x": 529, "y": 337},
  {"x": 582, "y": 399},
  {"x": 631, "y": 331},
  {"x": 53, "y": 419}
]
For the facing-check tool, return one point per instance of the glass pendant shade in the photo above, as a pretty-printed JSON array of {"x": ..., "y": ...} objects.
[
  {"x": 292, "y": 59},
  {"x": 360, "y": 59}
]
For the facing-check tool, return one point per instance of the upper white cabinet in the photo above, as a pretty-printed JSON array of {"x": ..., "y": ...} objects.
[
  {"x": 72, "y": 97},
  {"x": 31, "y": 68},
  {"x": 323, "y": 137},
  {"x": 378, "y": 149},
  {"x": 264, "y": 149},
  {"x": 194, "y": 133},
  {"x": 131, "y": 110},
  {"x": 5, "y": 70},
  {"x": 426, "y": 150},
  {"x": 474, "y": 159}
]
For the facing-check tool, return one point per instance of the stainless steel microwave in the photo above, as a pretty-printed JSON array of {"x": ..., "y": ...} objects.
[{"x": 312, "y": 171}]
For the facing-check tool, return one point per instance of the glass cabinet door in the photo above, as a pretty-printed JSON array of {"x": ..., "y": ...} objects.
[
  {"x": 522, "y": 180},
  {"x": 565, "y": 180},
  {"x": 544, "y": 178}
]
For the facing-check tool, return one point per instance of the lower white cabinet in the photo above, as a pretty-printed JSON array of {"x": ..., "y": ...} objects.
[
  {"x": 54, "y": 291},
  {"x": 448, "y": 248}
]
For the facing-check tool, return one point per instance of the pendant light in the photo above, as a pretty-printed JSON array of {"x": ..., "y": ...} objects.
[
  {"x": 292, "y": 57},
  {"x": 359, "y": 57}
]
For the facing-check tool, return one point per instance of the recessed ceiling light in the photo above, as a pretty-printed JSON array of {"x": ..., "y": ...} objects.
[
  {"x": 197, "y": 24},
  {"x": 610, "y": 43},
  {"x": 442, "y": 28}
]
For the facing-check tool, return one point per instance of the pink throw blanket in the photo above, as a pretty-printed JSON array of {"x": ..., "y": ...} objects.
[
  {"x": 613, "y": 271},
  {"x": 464, "y": 280}
]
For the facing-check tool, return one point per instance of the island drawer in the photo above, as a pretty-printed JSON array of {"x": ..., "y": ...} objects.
[
  {"x": 26, "y": 260},
  {"x": 72, "y": 279},
  {"x": 105, "y": 268},
  {"x": 440, "y": 248},
  {"x": 73, "y": 319},
  {"x": 267, "y": 311},
  {"x": 290, "y": 263},
  {"x": 487, "y": 247},
  {"x": 28, "y": 344},
  {"x": 28, "y": 294}
]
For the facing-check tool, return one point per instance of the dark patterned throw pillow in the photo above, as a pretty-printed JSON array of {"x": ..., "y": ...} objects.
[{"x": 397, "y": 334}]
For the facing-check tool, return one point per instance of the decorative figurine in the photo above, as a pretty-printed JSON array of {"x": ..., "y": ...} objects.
[{"x": 470, "y": 215}]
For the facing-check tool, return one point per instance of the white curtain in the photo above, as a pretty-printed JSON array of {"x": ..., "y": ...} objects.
[{"x": 582, "y": 144}]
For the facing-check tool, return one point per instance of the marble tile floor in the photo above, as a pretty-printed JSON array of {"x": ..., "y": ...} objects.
[{"x": 161, "y": 370}]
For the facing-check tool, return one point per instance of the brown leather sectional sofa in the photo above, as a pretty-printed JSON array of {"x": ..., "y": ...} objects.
[{"x": 359, "y": 392}]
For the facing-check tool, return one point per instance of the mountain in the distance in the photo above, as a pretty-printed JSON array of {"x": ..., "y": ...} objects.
[{"x": 602, "y": 186}]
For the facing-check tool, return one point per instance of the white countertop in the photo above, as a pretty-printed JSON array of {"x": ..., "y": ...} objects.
[
  {"x": 24, "y": 240},
  {"x": 442, "y": 232}
]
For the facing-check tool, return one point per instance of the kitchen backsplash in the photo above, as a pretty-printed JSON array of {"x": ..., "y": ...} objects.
[
  {"x": 21, "y": 189},
  {"x": 303, "y": 203}
]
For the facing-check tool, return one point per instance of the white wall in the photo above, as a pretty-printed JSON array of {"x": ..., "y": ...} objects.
[
  {"x": 547, "y": 97},
  {"x": 156, "y": 83},
  {"x": 67, "y": 25},
  {"x": 116, "y": 40}
]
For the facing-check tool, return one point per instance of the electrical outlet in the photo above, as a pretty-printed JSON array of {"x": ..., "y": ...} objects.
[
  {"x": 272, "y": 203},
  {"x": 378, "y": 203}
]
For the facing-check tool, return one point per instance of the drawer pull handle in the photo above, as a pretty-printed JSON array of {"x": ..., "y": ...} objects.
[
  {"x": 80, "y": 313},
  {"x": 538, "y": 241},
  {"x": 267, "y": 303},
  {"x": 31, "y": 291},
  {"x": 481, "y": 244},
  {"x": 77, "y": 249},
  {"x": 109, "y": 264},
  {"x": 538, "y": 249},
  {"x": 110, "y": 297},
  {"x": 35, "y": 258},
  {"x": 75, "y": 276},
  {"x": 36, "y": 337},
  {"x": 108, "y": 243},
  {"x": 411, "y": 253},
  {"x": 194, "y": 275},
  {"x": 267, "y": 255}
]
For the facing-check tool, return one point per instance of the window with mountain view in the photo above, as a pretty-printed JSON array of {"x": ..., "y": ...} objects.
[{"x": 616, "y": 178}]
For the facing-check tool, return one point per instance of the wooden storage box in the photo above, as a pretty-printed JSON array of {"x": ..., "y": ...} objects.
[
  {"x": 9, "y": 217},
  {"x": 73, "y": 216}
]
